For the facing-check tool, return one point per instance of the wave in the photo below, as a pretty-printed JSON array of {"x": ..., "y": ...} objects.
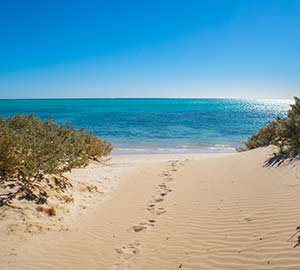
[{"x": 180, "y": 150}]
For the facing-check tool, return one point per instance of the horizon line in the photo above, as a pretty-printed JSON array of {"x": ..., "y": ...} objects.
[{"x": 90, "y": 98}]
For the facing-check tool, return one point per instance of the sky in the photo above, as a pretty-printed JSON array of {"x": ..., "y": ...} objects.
[{"x": 157, "y": 48}]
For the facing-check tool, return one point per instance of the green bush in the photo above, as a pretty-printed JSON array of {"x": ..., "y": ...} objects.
[
  {"x": 31, "y": 149},
  {"x": 282, "y": 132}
]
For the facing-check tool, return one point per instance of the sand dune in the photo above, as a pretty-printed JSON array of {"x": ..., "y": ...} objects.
[{"x": 179, "y": 212}]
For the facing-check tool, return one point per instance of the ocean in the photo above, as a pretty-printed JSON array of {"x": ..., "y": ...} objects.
[{"x": 158, "y": 125}]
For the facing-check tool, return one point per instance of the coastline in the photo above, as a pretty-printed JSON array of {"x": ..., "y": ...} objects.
[
  {"x": 221, "y": 211},
  {"x": 173, "y": 151}
]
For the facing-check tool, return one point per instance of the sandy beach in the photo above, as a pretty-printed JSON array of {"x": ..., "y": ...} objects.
[
  {"x": 150, "y": 135},
  {"x": 168, "y": 212}
]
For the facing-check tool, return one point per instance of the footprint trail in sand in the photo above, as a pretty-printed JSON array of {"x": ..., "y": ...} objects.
[{"x": 127, "y": 252}]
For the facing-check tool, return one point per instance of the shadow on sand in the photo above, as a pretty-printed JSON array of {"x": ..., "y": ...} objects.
[
  {"x": 280, "y": 160},
  {"x": 284, "y": 160}
]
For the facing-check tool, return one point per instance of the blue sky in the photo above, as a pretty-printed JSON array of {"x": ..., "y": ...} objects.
[{"x": 136, "y": 48}]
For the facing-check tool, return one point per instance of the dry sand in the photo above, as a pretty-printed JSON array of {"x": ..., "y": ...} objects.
[{"x": 169, "y": 212}]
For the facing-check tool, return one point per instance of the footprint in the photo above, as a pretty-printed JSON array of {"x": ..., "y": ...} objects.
[
  {"x": 158, "y": 199},
  {"x": 160, "y": 211},
  {"x": 164, "y": 188},
  {"x": 149, "y": 224},
  {"x": 128, "y": 251},
  {"x": 143, "y": 226},
  {"x": 150, "y": 207}
]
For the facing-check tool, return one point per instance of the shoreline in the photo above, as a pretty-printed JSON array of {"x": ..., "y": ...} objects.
[{"x": 173, "y": 151}]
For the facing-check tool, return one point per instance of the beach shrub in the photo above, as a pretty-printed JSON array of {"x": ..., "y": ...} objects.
[
  {"x": 283, "y": 132},
  {"x": 32, "y": 149}
]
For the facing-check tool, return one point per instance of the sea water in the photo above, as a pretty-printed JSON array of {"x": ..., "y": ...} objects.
[{"x": 158, "y": 125}]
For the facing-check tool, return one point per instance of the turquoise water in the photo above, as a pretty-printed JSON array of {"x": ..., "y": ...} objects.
[{"x": 158, "y": 124}]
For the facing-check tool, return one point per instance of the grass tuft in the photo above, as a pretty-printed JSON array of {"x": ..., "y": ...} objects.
[{"x": 51, "y": 211}]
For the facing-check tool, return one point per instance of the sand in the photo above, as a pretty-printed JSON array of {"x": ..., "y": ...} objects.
[{"x": 170, "y": 212}]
